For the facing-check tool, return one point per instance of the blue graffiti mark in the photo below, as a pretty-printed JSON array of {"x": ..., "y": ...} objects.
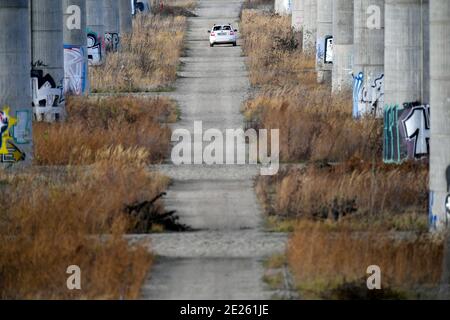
[
  {"x": 320, "y": 50},
  {"x": 75, "y": 69},
  {"x": 432, "y": 218},
  {"x": 357, "y": 87}
]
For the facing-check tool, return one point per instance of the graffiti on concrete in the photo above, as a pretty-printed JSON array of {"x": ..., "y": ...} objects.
[
  {"x": 46, "y": 92},
  {"x": 75, "y": 69},
  {"x": 324, "y": 50},
  {"x": 6, "y": 123},
  {"x": 406, "y": 132},
  {"x": 368, "y": 98},
  {"x": 329, "y": 49},
  {"x": 447, "y": 176},
  {"x": 21, "y": 132},
  {"x": 112, "y": 41},
  {"x": 432, "y": 218},
  {"x": 139, "y": 6},
  {"x": 357, "y": 89},
  {"x": 13, "y": 155},
  {"x": 9, "y": 152},
  {"x": 95, "y": 46}
]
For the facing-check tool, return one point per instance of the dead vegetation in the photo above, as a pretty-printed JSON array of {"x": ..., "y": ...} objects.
[
  {"x": 96, "y": 125},
  {"x": 331, "y": 262},
  {"x": 147, "y": 60},
  {"x": 53, "y": 218},
  {"x": 335, "y": 177}
]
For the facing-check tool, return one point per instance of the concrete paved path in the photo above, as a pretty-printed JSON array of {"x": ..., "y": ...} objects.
[{"x": 223, "y": 259}]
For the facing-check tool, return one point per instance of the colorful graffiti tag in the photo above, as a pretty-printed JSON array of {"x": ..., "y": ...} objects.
[
  {"x": 95, "y": 46},
  {"x": 368, "y": 100},
  {"x": 9, "y": 152},
  {"x": 406, "y": 132},
  {"x": 112, "y": 41},
  {"x": 75, "y": 69}
]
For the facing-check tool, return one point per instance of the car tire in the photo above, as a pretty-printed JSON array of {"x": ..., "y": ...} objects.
[
  {"x": 234, "y": 44},
  {"x": 211, "y": 45}
]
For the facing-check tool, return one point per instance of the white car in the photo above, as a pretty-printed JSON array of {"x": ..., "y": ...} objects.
[{"x": 222, "y": 34}]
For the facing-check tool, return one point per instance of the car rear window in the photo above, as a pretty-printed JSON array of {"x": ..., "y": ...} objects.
[
  {"x": 226, "y": 28},
  {"x": 217, "y": 28}
]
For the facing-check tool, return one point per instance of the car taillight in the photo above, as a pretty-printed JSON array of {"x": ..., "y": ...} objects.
[
  {"x": 232, "y": 33},
  {"x": 213, "y": 34}
]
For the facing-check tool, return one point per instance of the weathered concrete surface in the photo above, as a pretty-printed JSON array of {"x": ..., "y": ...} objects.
[
  {"x": 223, "y": 259},
  {"x": 15, "y": 52}
]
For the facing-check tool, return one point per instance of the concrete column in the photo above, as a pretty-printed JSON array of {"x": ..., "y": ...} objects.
[
  {"x": 16, "y": 112},
  {"x": 75, "y": 47},
  {"x": 298, "y": 12},
  {"x": 342, "y": 45},
  {"x": 283, "y": 7},
  {"x": 126, "y": 18},
  {"x": 440, "y": 113},
  {"x": 404, "y": 52},
  {"x": 112, "y": 24},
  {"x": 324, "y": 44},
  {"x": 95, "y": 31},
  {"x": 47, "y": 58},
  {"x": 368, "y": 59},
  {"x": 310, "y": 26}
]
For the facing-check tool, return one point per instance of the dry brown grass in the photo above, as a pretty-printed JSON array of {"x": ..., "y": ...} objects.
[
  {"x": 314, "y": 124},
  {"x": 97, "y": 124},
  {"x": 344, "y": 197},
  {"x": 324, "y": 258},
  {"x": 273, "y": 60},
  {"x": 186, "y": 4},
  {"x": 377, "y": 197},
  {"x": 51, "y": 220},
  {"x": 148, "y": 59}
]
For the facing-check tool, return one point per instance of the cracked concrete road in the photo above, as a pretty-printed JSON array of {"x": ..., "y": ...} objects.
[{"x": 223, "y": 260}]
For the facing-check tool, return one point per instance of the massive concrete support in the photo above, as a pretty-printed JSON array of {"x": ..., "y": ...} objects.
[
  {"x": 342, "y": 45},
  {"x": 368, "y": 58},
  {"x": 15, "y": 91},
  {"x": 324, "y": 44},
  {"x": 112, "y": 24},
  {"x": 95, "y": 31},
  {"x": 405, "y": 57},
  {"x": 440, "y": 113},
  {"x": 298, "y": 13},
  {"x": 126, "y": 18},
  {"x": 47, "y": 58},
  {"x": 75, "y": 47},
  {"x": 310, "y": 26}
]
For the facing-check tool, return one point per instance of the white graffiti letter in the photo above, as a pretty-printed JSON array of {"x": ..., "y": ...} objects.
[
  {"x": 74, "y": 281},
  {"x": 374, "y": 280},
  {"x": 417, "y": 130},
  {"x": 374, "y": 19}
]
